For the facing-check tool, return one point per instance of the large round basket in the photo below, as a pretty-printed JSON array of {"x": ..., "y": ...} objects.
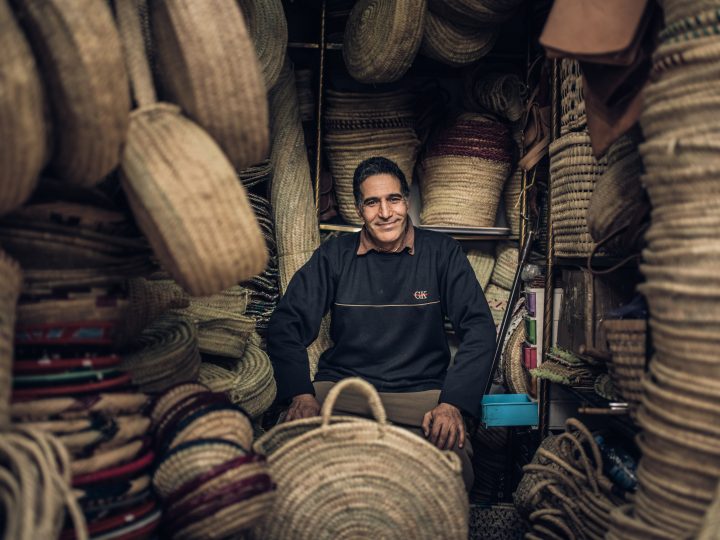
[
  {"x": 453, "y": 44},
  {"x": 268, "y": 29},
  {"x": 22, "y": 126},
  {"x": 208, "y": 65},
  {"x": 382, "y": 38},
  {"x": 342, "y": 477}
]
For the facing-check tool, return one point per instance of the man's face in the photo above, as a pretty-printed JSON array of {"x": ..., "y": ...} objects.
[{"x": 384, "y": 208}]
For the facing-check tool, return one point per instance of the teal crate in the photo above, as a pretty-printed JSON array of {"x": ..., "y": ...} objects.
[{"x": 509, "y": 410}]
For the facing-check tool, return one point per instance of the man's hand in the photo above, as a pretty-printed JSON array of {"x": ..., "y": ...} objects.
[
  {"x": 302, "y": 406},
  {"x": 443, "y": 426}
]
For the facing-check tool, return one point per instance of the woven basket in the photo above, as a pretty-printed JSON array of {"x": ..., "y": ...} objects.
[
  {"x": 69, "y": 408},
  {"x": 369, "y": 478},
  {"x": 148, "y": 301},
  {"x": 382, "y": 38},
  {"x": 249, "y": 383},
  {"x": 209, "y": 67},
  {"x": 480, "y": 13},
  {"x": 572, "y": 103},
  {"x": 268, "y": 29},
  {"x": 11, "y": 280},
  {"x": 517, "y": 378},
  {"x": 506, "y": 264},
  {"x": 80, "y": 57},
  {"x": 667, "y": 405},
  {"x": 164, "y": 354},
  {"x": 169, "y": 399},
  {"x": 623, "y": 522},
  {"x": 499, "y": 93},
  {"x": 22, "y": 125},
  {"x": 482, "y": 264},
  {"x": 453, "y": 44},
  {"x": 497, "y": 298},
  {"x": 219, "y": 421},
  {"x": 191, "y": 460}
]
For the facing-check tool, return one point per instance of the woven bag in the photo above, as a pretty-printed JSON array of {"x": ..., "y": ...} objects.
[
  {"x": 453, "y": 44},
  {"x": 22, "y": 126},
  {"x": 382, "y": 38},
  {"x": 268, "y": 29},
  {"x": 80, "y": 57},
  {"x": 182, "y": 189},
  {"x": 346, "y": 477},
  {"x": 208, "y": 66}
]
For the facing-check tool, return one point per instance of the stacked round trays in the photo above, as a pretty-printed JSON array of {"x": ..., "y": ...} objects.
[
  {"x": 209, "y": 480},
  {"x": 574, "y": 172}
]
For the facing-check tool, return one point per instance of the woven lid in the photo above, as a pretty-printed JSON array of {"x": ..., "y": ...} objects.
[
  {"x": 453, "y": 44},
  {"x": 209, "y": 66},
  {"x": 22, "y": 124},
  {"x": 382, "y": 38},
  {"x": 90, "y": 103}
]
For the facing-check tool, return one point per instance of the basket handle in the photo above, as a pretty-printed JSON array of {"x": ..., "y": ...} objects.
[
  {"x": 364, "y": 388},
  {"x": 141, "y": 81}
]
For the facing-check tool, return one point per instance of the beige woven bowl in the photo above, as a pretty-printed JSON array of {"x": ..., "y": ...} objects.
[{"x": 453, "y": 44}]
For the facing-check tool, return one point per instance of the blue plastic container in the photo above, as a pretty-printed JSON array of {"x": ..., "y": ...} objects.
[{"x": 501, "y": 410}]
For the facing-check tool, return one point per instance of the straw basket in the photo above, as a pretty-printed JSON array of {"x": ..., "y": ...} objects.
[
  {"x": 354, "y": 478},
  {"x": 453, "y": 44},
  {"x": 248, "y": 383},
  {"x": 10, "y": 285},
  {"x": 572, "y": 103},
  {"x": 497, "y": 298},
  {"x": 268, "y": 29},
  {"x": 476, "y": 13},
  {"x": 499, "y": 93},
  {"x": 506, "y": 264},
  {"x": 80, "y": 57},
  {"x": 623, "y": 522},
  {"x": 382, "y": 38},
  {"x": 22, "y": 125},
  {"x": 209, "y": 67},
  {"x": 516, "y": 377},
  {"x": 482, "y": 264}
]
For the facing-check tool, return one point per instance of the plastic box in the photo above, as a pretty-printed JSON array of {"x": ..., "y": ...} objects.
[{"x": 509, "y": 410}]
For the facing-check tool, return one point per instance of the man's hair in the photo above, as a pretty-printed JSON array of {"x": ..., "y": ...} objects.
[{"x": 373, "y": 166}]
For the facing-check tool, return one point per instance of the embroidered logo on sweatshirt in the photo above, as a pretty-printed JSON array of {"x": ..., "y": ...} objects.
[{"x": 420, "y": 295}]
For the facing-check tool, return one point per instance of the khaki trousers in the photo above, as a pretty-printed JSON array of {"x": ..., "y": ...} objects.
[{"x": 405, "y": 409}]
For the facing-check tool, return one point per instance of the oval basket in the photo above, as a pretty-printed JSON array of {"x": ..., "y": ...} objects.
[{"x": 354, "y": 478}]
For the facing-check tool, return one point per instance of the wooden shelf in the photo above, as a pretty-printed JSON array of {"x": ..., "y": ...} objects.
[{"x": 458, "y": 233}]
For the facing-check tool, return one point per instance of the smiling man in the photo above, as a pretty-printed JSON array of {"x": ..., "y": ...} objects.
[{"x": 388, "y": 289}]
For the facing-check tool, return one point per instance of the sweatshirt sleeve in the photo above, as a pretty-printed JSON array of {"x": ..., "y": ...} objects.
[
  {"x": 295, "y": 324},
  {"x": 464, "y": 303}
]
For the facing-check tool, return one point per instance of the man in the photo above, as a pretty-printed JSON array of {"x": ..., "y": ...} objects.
[{"x": 388, "y": 289}]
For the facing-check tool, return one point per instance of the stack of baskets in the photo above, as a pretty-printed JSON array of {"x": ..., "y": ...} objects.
[
  {"x": 363, "y": 125},
  {"x": 573, "y": 172},
  {"x": 627, "y": 343},
  {"x": 679, "y": 413},
  {"x": 248, "y": 381},
  {"x": 463, "y": 173},
  {"x": 210, "y": 482}
]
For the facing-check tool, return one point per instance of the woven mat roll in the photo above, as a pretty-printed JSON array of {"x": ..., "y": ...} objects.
[
  {"x": 506, "y": 263},
  {"x": 10, "y": 286},
  {"x": 268, "y": 29},
  {"x": 208, "y": 65},
  {"x": 165, "y": 354},
  {"x": 478, "y": 13},
  {"x": 382, "y": 38},
  {"x": 453, "y": 44},
  {"x": 249, "y": 382},
  {"x": 22, "y": 125},
  {"x": 80, "y": 57},
  {"x": 482, "y": 264},
  {"x": 463, "y": 173}
]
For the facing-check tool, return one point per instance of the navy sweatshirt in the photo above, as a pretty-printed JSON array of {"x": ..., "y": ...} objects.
[{"x": 387, "y": 321}]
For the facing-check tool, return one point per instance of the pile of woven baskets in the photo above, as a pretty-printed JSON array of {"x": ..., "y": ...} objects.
[
  {"x": 209, "y": 481},
  {"x": 463, "y": 172},
  {"x": 679, "y": 413},
  {"x": 627, "y": 343},
  {"x": 363, "y": 125},
  {"x": 564, "y": 492}
]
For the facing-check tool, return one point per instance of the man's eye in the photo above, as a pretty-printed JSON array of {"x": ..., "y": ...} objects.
[
  {"x": 371, "y": 203},
  {"x": 395, "y": 200}
]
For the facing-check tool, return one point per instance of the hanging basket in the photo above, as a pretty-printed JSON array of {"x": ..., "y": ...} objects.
[
  {"x": 452, "y": 44},
  {"x": 360, "y": 478},
  {"x": 382, "y": 38},
  {"x": 268, "y": 29}
]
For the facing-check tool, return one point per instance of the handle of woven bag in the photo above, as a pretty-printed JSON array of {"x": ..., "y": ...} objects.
[
  {"x": 600, "y": 244},
  {"x": 364, "y": 388},
  {"x": 128, "y": 17}
]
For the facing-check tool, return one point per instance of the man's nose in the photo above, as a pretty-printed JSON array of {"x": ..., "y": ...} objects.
[{"x": 385, "y": 209}]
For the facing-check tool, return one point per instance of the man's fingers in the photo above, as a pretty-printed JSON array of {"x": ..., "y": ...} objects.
[
  {"x": 426, "y": 423},
  {"x": 437, "y": 430},
  {"x": 447, "y": 433},
  {"x": 452, "y": 438}
]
